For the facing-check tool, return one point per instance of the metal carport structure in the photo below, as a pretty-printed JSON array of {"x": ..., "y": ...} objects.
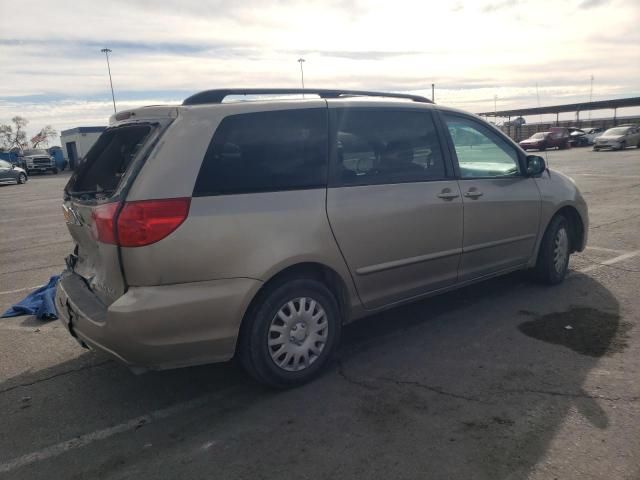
[{"x": 571, "y": 107}]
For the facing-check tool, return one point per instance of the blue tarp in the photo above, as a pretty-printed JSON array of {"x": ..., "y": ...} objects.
[{"x": 39, "y": 303}]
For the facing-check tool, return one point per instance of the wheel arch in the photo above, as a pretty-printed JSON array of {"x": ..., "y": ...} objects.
[
  {"x": 312, "y": 270},
  {"x": 576, "y": 226},
  {"x": 576, "y": 229}
]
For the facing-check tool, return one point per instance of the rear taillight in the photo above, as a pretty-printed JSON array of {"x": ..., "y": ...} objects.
[
  {"x": 146, "y": 221},
  {"x": 139, "y": 223},
  {"x": 103, "y": 223}
]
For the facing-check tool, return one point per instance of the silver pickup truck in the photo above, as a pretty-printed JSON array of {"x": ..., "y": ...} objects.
[{"x": 39, "y": 160}]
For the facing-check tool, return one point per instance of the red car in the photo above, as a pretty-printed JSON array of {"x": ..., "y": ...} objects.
[{"x": 556, "y": 137}]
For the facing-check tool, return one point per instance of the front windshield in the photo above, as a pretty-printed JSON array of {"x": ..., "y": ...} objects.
[
  {"x": 537, "y": 136},
  {"x": 616, "y": 131}
]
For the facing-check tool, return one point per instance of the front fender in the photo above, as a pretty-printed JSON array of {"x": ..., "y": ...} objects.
[{"x": 558, "y": 192}]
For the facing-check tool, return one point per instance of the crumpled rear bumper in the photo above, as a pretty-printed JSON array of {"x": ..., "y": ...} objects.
[{"x": 158, "y": 327}]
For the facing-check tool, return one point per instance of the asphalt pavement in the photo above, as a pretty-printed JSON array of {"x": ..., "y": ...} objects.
[{"x": 502, "y": 380}]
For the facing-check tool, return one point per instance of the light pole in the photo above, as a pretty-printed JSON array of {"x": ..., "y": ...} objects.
[
  {"x": 301, "y": 61},
  {"x": 106, "y": 52},
  {"x": 495, "y": 109},
  {"x": 591, "y": 95}
]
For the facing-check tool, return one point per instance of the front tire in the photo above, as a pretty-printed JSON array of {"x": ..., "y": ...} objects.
[
  {"x": 22, "y": 178},
  {"x": 290, "y": 333},
  {"x": 553, "y": 256}
]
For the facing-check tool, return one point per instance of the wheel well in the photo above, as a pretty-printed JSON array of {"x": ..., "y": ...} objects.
[
  {"x": 317, "y": 271},
  {"x": 576, "y": 227}
]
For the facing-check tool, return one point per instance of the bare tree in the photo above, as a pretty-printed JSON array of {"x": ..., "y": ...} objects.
[
  {"x": 42, "y": 138},
  {"x": 14, "y": 135},
  {"x": 6, "y": 134}
]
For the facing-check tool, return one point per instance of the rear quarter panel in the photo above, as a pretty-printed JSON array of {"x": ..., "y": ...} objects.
[{"x": 241, "y": 236}]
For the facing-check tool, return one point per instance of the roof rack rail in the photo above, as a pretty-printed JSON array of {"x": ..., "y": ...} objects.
[{"x": 217, "y": 96}]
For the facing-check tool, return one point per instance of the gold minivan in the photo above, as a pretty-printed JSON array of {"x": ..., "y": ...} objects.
[{"x": 258, "y": 228}]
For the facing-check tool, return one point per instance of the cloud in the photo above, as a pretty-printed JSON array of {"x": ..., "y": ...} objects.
[
  {"x": 501, "y": 5},
  {"x": 165, "y": 51},
  {"x": 592, "y": 3}
]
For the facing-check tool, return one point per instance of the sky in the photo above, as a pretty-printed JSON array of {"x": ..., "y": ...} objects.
[{"x": 525, "y": 53}]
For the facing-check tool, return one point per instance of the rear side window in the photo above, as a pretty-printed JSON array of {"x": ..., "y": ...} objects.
[
  {"x": 385, "y": 146},
  {"x": 266, "y": 151},
  {"x": 109, "y": 159}
]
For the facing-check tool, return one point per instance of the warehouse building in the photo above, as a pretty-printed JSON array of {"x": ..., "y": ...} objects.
[{"x": 76, "y": 142}]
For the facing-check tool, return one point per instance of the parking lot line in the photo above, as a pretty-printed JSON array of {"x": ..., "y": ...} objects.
[
  {"x": 611, "y": 261},
  {"x": 89, "y": 438}
]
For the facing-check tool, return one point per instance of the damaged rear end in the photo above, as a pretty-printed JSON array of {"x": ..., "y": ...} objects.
[{"x": 101, "y": 221}]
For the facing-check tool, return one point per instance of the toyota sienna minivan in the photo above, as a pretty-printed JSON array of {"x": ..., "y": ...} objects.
[{"x": 257, "y": 229}]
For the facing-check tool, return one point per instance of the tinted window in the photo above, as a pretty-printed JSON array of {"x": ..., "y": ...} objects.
[
  {"x": 480, "y": 152},
  {"x": 386, "y": 146},
  {"x": 109, "y": 159},
  {"x": 266, "y": 151}
]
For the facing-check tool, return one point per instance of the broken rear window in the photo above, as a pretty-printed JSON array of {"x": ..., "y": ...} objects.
[{"x": 109, "y": 159}]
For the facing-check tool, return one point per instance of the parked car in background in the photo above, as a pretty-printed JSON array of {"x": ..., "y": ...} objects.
[
  {"x": 592, "y": 133},
  {"x": 577, "y": 137},
  {"x": 560, "y": 137},
  {"x": 39, "y": 160},
  {"x": 537, "y": 141},
  {"x": 261, "y": 242},
  {"x": 543, "y": 140},
  {"x": 14, "y": 157},
  {"x": 9, "y": 173},
  {"x": 618, "y": 138}
]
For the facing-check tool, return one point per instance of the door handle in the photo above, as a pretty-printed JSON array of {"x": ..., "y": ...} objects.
[
  {"x": 473, "y": 194},
  {"x": 447, "y": 194}
]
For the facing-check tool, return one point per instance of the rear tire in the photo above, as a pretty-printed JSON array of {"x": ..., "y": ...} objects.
[
  {"x": 290, "y": 333},
  {"x": 553, "y": 256},
  {"x": 22, "y": 178},
  {"x": 623, "y": 145}
]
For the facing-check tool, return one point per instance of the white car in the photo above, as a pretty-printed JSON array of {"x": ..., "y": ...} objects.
[{"x": 619, "y": 138}]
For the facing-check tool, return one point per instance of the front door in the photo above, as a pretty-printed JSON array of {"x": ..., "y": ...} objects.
[
  {"x": 393, "y": 204},
  {"x": 501, "y": 204}
]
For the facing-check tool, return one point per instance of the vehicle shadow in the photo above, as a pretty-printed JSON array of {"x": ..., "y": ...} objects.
[{"x": 472, "y": 384}]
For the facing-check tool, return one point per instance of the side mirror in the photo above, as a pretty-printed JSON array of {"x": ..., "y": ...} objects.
[{"x": 535, "y": 165}]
